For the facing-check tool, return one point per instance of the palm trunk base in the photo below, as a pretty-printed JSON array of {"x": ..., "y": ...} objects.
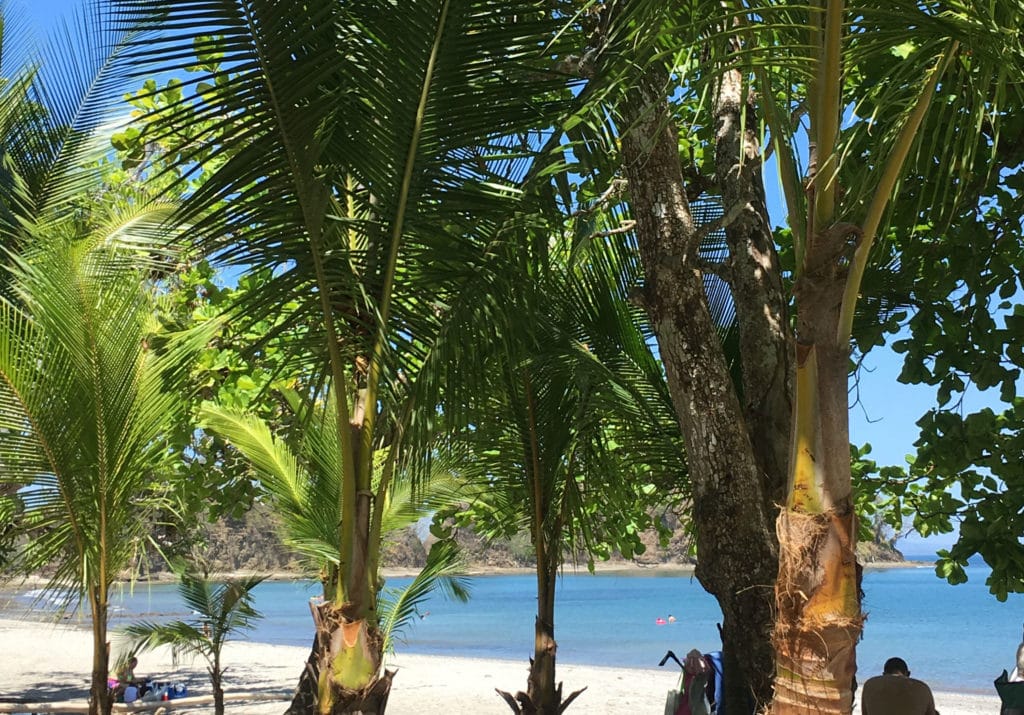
[
  {"x": 369, "y": 701},
  {"x": 542, "y": 696},
  {"x": 372, "y": 701},
  {"x": 320, "y": 694},
  {"x": 523, "y": 704},
  {"x": 819, "y": 620}
]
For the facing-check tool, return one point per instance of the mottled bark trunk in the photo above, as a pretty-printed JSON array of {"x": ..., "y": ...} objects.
[
  {"x": 736, "y": 554},
  {"x": 765, "y": 338},
  {"x": 819, "y": 619},
  {"x": 765, "y": 343}
]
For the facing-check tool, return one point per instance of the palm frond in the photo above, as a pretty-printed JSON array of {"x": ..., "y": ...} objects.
[
  {"x": 442, "y": 572},
  {"x": 87, "y": 398}
]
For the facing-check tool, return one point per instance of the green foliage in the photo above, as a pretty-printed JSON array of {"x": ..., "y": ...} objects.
[
  {"x": 442, "y": 572},
  {"x": 240, "y": 367},
  {"x": 367, "y": 196},
  {"x": 222, "y": 611},
  {"x": 963, "y": 338},
  {"x": 79, "y": 325},
  {"x": 561, "y": 423},
  {"x": 304, "y": 487}
]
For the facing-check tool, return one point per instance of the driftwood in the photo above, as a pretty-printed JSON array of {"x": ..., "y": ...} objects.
[{"x": 158, "y": 706}]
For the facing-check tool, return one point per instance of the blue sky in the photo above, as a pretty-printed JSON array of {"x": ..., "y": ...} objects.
[{"x": 887, "y": 411}]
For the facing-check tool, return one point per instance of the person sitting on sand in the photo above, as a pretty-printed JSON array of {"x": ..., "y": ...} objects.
[
  {"x": 124, "y": 678},
  {"x": 896, "y": 693}
]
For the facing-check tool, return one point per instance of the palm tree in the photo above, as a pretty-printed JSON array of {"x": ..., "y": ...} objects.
[
  {"x": 86, "y": 407},
  {"x": 561, "y": 422},
  {"x": 221, "y": 610},
  {"x": 82, "y": 388},
  {"x": 304, "y": 487},
  {"x": 372, "y": 150}
]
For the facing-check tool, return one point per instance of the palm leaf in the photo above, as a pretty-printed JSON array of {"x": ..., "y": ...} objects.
[{"x": 441, "y": 572}]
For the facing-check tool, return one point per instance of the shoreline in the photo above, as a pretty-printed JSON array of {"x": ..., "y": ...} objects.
[
  {"x": 53, "y": 663},
  {"x": 602, "y": 568}
]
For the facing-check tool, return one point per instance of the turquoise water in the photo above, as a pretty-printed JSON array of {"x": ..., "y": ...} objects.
[{"x": 955, "y": 637}]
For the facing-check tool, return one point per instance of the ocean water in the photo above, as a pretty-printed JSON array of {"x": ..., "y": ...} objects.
[{"x": 957, "y": 638}]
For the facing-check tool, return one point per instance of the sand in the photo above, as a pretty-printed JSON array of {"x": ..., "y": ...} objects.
[{"x": 41, "y": 662}]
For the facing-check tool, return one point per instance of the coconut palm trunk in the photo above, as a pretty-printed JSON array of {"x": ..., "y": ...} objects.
[
  {"x": 541, "y": 682},
  {"x": 819, "y": 618},
  {"x": 100, "y": 697},
  {"x": 217, "y": 683}
]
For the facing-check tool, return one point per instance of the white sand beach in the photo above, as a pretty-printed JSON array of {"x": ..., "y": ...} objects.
[{"x": 41, "y": 662}]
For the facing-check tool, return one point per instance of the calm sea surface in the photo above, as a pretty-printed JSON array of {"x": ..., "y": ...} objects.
[{"x": 955, "y": 637}]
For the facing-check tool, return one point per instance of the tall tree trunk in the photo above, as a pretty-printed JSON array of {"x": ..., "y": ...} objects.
[
  {"x": 754, "y": 276},
  {"x": 218, "y": 686},
  {"x": 765, "y": 343},
  {"x": 818, "y": 592},
  {"x": 736, "y": 552}
]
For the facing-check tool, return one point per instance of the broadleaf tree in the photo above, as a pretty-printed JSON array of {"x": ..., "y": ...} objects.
[
  {"x": 843, "y": 91},
  {"x": 960, "y": 334}
]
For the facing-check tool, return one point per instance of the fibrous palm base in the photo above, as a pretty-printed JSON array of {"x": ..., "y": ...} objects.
[
  {"x": 819, "y": 619},
  {"x": 331, "y": 627},
  {"x": 523, "y": 704}
]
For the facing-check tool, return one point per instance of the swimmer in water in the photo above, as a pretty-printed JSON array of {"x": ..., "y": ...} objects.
[
  {"x": 671, "y": 618},
  {"x": 660, "y": 621}
]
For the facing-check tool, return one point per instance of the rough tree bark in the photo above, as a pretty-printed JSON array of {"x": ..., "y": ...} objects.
[
  {"x": 765, "y": 340},
  {"x": 732, "y": 512}
]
